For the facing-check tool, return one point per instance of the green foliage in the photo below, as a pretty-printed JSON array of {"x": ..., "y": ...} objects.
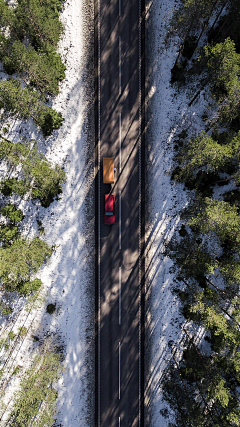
[
  {"x": 197, "y": 392},
  {"x": 210, "y": 225},
  {"x": 223, "y": 67},
  {"x": 16, "y": 370},
  {"x": 201, "y": 383},
  {"x": 27, "y": 287},
  {"x": 37, "y": 397},
  {"x": 218, "y": 217},
  {"x": 27, "y": 102},
  {"x": 20, "y": 260},
  {"x": 4, "y": 343},
  {"x": 7, "y": 17},
  {"x": 9, "y": 232},
  {"x": 40, "y": 20},
  {"x": 10, "y": 211},
  {"x": 5, "y": 309},
  {"x": 204, "y": 154},
  {"x": 49, "y": 120},
  {"x": 22, "y": 332},
  {"x": 38, "y": 178},
  {"x": 44, "y": 69},
  {"x": 37, "y": 64},
  {"x": 11, "y": 335}
]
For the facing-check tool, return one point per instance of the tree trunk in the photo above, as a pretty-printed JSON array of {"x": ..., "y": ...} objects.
[
  {"x": 219, "y": 14},
  {"x": 198, "y": 92},
  {"x": 205, "y": 24}
]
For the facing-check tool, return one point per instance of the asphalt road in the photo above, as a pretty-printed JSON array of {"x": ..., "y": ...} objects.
[{"x": 119, "y": 302}]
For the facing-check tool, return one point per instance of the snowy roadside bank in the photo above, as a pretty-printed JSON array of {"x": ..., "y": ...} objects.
[
  {"x": 68, "y": 223},
  {"x": 165, "y": 113},
  {"x": 71, "y": 267}
]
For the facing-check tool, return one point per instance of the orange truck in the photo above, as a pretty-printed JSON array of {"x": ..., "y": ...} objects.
[{"x": 108, "y": 170}]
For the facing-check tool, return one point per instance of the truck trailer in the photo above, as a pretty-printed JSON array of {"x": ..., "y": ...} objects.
[{"x": 108, "y": 170}]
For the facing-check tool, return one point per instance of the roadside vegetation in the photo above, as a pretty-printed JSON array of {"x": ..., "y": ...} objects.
[
  {"x": 201, "y": 383},
  {"x": 34, "y": 404},
  {"x": 30, "y": 32},
  {"x": 29, "y": 36}
]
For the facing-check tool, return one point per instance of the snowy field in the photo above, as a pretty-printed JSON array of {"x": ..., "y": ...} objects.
[
  {"x": 69, "y": 224},
  {"x": 166, "y": 114}
]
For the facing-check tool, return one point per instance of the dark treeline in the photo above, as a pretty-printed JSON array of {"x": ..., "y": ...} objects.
[{"x": 202, "y": 381}]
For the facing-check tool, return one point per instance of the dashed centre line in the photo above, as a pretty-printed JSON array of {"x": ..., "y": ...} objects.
[
  {"x": 120, "y": 295},
  {"x": 120, "y": 221},
  {"x": 120, "y": 142},
  {"x": 120, "y": 66},
  {"x": 119, "y": 370}
]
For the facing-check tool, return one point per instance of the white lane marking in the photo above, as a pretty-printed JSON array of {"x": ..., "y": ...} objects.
[
  {"x": 120, "y": 66},
  {"x": 99, "y": 200},
  {"x": 120, "y": 221},
  {"x": 120, "y": 295},
  {"x": 119, "y": 422},
  {"x": 120, "y": 142},
  {"x": 139, "y": 208},
  {"x": 120, "y": 8},
  {"x": 119, "y": 370}
]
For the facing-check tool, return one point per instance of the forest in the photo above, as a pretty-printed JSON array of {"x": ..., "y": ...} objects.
[
  {"x": 32, "y": 70},
  {"x": 201, "y": 382}
]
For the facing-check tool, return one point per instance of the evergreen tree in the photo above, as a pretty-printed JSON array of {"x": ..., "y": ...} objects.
[
  {"x": 40, "y": 19},
  {"x": 220, "y": 218},
  {"x": 27, "y": 102},
  {"x": 21, "y": 259},
  {"x": 37, "y": 177},
  {"x": 7, "y": 17},
  {"x": 35, "y": 402},
  {"x": 44, "y": 69},
  {"x": 38, "y": 64},
  {"x": 204, "y": 154},
  {"x": 9, "y": 232},
  {"x": 220, "y": 65}
]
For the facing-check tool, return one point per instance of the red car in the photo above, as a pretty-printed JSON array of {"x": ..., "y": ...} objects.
[{"x": 109, "y": 209}]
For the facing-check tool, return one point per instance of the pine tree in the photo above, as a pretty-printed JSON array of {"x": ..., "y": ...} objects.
[
  {"x": 220, "y": 218},
  {"x": 40, "y": 19},
  {"x": 20, "y": 260},
  {"x": 38, "y": 178},
  {"x": 44, "y": 69},
  {"x": 27, "y": 102},
  {"x": 35, "y": 402},
  {"x": 9, "y": 231},
  {"x": 206, "y": 155},
  {"x": 221, "y": 67}
]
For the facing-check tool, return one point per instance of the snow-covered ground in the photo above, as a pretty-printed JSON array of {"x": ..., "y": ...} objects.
[
  {"x": 166, "y": 115},
  {"x": 69, "y": 224}
]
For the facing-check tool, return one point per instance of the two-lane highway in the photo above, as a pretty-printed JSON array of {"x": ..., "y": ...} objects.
[{"x": 119, "y": 307}]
